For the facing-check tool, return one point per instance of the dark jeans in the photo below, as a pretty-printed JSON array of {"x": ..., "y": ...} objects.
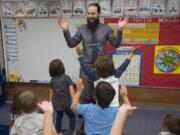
[
  {"x": 59, "y": 116},
  {"x": 88, "y": 93}
]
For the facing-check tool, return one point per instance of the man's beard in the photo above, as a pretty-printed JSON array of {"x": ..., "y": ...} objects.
[{"x": 92, "y": 25}]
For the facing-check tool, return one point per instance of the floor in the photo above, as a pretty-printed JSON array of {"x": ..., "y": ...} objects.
[{"x": 146, "y": 120}]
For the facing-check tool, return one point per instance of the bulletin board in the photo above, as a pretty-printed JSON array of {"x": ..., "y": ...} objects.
[{"x": 160, "y": 45}]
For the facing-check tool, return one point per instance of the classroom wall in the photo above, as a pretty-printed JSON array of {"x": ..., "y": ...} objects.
[{"x": 136, "y": 94}]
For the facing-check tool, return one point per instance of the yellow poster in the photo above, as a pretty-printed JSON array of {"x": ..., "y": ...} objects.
[
  {"x": 167, "y": 59},
  {"x": 139, "y": 33}
]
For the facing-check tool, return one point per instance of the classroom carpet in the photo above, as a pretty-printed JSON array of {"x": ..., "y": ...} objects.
[{"x": 144, "y": 121}]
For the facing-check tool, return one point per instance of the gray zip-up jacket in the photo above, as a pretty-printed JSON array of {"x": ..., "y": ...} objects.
[{"x": 94, "y": 42}]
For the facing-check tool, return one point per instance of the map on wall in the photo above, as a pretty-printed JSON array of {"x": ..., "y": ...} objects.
[
  {"x": 132, "y": 75},
  {"x": 167, "y": 60},
  {"x": 139, "y": 33}
]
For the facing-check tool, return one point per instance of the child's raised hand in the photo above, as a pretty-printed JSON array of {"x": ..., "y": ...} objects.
[
  {"x": 133, "y": 49},
  {"x": 46, "y": 107},
  {"x": 79, "y": 85},
  {"x": 126, "y": 108},
  {"x": 123, "y": 91},
  {"x": 79, "y": 51},
  {"x": 123, "y": 23}
]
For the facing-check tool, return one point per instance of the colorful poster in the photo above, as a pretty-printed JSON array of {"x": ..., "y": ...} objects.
[
  {"x": 139, "y": 33},
  {"x": 132, "y": 74},
  {"x": 167, "y": 59}
]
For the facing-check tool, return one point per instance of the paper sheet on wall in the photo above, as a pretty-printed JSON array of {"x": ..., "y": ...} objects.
[
  {"x": 7, "y": 9},
  {"x": 158, "y": 7},
  {"x": 66, "y": 7},
  {"x": 132, "y": 74},
  {"x": 42, "y": 9},
  {"x": 118, "y": 7},
  {"x": 54, "y": 8},
  {"x": 19, "y": 9},
  {"x": 131, "y": 8},
  {"x": 105, "y": 7},
  {"x": 31, "y": 8},
  {"x": 79, "y": 7},
  {"x": 144, "y": 7},
  {"x": 90, "y": 1},
  {"x": 173, "y": 7}
]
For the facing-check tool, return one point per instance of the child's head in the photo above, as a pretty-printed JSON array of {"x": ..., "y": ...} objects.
[
  {"x": 56, "y": 68},
  {"x": 28, "y": 101},
  {"x": 104, "y": 66},
  {"x": 172, "y": 124},
  {"x": 104, "y": 94},
  {"x": 15, "y": 108}
]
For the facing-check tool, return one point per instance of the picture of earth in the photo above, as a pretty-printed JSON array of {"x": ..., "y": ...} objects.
[{"x": 167, "y": 60}]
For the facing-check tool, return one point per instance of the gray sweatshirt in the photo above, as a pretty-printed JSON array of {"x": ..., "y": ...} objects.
[{"x": 94, "y": 42}]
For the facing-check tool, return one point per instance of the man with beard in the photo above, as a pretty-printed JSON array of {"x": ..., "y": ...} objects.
[{"x": 94, "y": 36}]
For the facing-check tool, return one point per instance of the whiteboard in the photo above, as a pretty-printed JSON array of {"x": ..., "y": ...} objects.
[{"x": 42, "y": 41}]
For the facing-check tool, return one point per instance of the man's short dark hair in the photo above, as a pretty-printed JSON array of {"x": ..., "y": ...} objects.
[
  {"x": 56, "y": 68},
  {"x": 104, "y": 66},
  {"x": 104, "y": 94},
  {"x": 97, "y": 6}
]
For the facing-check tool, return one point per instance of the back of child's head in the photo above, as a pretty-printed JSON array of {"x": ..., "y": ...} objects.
[
  {"x": 56, "y": 67},
  {"x": 104, "y": 94},
  {"x": 104, "y": 66},
  {"x": 16, "y": 108},
  {"x": 172, "y": 123},
  {"x": 28, "y": 101}
]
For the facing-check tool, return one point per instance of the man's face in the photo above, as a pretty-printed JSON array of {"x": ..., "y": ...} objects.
[{"x": 92, "y": 14}]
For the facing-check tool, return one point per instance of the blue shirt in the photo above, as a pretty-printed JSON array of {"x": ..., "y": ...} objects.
[{"x": 98, "y": 121}]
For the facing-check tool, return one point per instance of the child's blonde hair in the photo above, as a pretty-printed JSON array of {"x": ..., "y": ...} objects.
[{"x": 28, "y": 101}]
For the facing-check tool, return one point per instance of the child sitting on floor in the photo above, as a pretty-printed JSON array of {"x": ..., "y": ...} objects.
[{"x": 30, "y": 122}]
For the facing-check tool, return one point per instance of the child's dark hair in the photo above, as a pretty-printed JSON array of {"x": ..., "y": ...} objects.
[
  {"x": 28, "y": 101},
  {"x": 16, "y": 108},
  {"x": 104, "y": 66},
  {"x": 104, "y": 94},
  {"x": 97, "y": 6},
  {"x": 171, "y": 123},
  {"x": 56, "y": 68}
]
